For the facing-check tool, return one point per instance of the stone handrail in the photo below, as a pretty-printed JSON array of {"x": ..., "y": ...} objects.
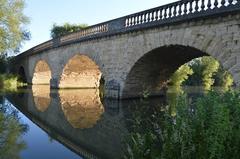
[{"x": 164, "y": 15}]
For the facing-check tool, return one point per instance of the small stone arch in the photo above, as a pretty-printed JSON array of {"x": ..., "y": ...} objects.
[
  {"x": 80, "y": 72},
  {"x": 22, "y": 75},
  {"x": 42, "y": 73}
]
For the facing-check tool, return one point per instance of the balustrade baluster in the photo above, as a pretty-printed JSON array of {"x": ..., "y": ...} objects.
[
  {"x": 196, "y": 7},
  {"x": 209, "y": 4},
  {"x": 152, "y": 15},
  {"x": 142, "y": 19},
  {"x": 156, "y": 15},
  {"x": 216, "y": 4},
  {"x": 230, "y": 2},
  {"x": 170, "y": 12},
  {"x": 133, "y": 21},
  {"x": 175, "y": 11},
  {"x": 190, "y": 7},
  {"x": 137, "y": 20},
  {"x": 145, "y": 18},
  {"x": 165, "y": 13},
  {"x": 223, "y": 3},
  {"x": 148, "y": 18},
  {"x": 185, "y": 8},
  {"x": 130, "y": 22},
  {"x": 160, "y": 14},
  {"x": 203, "y": 5},
  {"x": 180, "y": 9}
]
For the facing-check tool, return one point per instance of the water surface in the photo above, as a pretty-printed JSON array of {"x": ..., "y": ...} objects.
[{"x": 76, "y": 123}]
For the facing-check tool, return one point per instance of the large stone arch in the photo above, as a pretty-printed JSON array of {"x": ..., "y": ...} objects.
[
  {"x": 152, "y": 68},
  {"x": 80, "y": 72},
  {"x": 42, "y": 73}
]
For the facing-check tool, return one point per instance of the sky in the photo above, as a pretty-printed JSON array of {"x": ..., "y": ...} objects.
[{"x": 44, "y": 13}]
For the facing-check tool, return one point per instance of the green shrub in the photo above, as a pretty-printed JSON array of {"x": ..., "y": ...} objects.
[{"x": 9, "y": 82}]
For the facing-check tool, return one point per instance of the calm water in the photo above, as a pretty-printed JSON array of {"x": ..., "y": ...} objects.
[{"x": 69, "y": 124}]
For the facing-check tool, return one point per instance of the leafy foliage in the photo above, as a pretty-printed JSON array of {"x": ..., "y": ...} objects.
[
  {"x": 181, "y": 75},
  {"x": 210, "y": 68},
  {"x": 58, "y": 30},
  {"x": 12, "y": 20},
  {"x": 10, "y": 83},
  {"x": 223, "y": 79},
  {"x": 207, "y": 128},
  {"x": 204, "y": 71}
]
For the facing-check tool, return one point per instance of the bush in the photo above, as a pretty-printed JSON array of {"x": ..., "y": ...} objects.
[{"x": 9, "y": 82}]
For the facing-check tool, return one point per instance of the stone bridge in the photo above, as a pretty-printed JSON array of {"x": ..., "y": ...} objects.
[{"x": 137, "y": 52}]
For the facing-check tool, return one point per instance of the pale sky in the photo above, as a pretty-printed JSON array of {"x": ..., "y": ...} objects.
[{"x": 44, "y": 13}]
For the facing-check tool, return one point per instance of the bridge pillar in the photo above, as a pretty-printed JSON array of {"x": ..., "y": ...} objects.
[
  {"x": 54, "y": 83},
  {"x": 112, "y": 89}
]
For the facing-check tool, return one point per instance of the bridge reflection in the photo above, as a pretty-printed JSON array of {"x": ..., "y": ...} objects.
[
  {"x": 82, "y": 107},
  {"x": 77, "y": 118},
  {"x": 41, "y": 97}
]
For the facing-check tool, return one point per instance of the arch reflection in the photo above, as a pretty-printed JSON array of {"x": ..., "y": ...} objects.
[
  {"x": 41, "y": 97},
  {"x": 82, "y": 107}
]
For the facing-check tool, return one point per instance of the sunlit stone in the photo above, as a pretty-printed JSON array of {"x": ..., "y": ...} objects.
[
  {"x": 42, "y": 73},
  {"x": 80, "y": 72},
  {"x": 82, "y": 108}
]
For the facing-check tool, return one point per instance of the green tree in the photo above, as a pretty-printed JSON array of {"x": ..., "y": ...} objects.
[
  {"x": 12, "y": 20},
  {"x": 223, "y": 79},
  {"x": 180, "y": 75},
  {"x": 211, "y": 67},
  {"x": 60, "y": 30}
]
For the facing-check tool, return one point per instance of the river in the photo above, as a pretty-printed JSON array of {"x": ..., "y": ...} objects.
[{"x": 72, "y": 123}]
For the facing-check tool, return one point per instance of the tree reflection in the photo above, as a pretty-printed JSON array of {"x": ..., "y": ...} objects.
[
  {"x": 81, "y": 107},
  {"x": 11, "y": 131}
]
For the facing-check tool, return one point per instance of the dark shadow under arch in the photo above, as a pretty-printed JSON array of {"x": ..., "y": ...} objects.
[
  {"x": 22, "y": 75},
  {"x": 151, "y": 72}
]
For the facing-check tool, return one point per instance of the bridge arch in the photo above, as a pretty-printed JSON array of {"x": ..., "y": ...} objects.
[
  {"x": 42, "y": 73},
  {"x": 80, "y": 72},
  {"x": 151, "y": 71}
]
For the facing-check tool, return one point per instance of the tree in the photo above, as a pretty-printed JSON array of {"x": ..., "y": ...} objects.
[
  {"x": 223, "y": 79},
  {"x": 12, "y": 21},
  {"x": 58, "y": 30},
  {"x": 181, "y": 75},
  {"x": 211, "y": 67}
]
